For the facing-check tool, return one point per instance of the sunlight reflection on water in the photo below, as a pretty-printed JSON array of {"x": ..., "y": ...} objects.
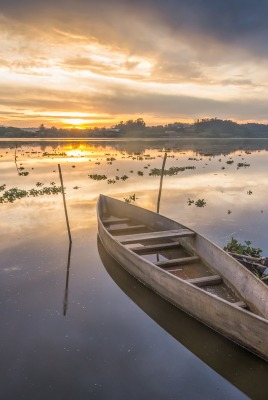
[{"x": 106, "y": 344}]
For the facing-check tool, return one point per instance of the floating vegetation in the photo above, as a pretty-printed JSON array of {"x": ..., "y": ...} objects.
[
  {"x": 140, "y": 173},
  {"x": 200, "y": 203},
  {"x": 131, "y": 198},
  {"x": 244, "y": 249},
  {"x": 9, "y": 196},
  {"x": 111, "y": 181},
  {"x": 110, "y": 159},
  {"x": 46, "y": 154},
  {"x": 171, "y": 171},
  {"x": 97, "y": 177},
  {"x": 124, "y": 177},
  {"x": 240, "y": 165},
  {"x": 229, "y": 211},
  {"x": 249, "y": 192},
  {"x": 197, "y": 203},
  {"x": 230, "y": 162},
  {"x": 2, "y": 188}
]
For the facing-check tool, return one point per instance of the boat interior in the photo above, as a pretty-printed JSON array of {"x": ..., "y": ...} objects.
[{"x": 166, "y": 249}]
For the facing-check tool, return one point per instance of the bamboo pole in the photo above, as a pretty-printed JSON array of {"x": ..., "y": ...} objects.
[
  {"x": 161, "y": 183},
  {"x": 64, "y": 203}
]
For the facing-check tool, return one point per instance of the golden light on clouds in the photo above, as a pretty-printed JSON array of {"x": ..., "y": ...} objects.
[{"x": 75, "y": 68}]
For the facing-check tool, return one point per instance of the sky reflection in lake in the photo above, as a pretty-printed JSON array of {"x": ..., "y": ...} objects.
[{"x": 106, "y": 346}]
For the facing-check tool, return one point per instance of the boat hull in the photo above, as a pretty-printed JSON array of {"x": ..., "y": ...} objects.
[{"x": 239, "y": 325}]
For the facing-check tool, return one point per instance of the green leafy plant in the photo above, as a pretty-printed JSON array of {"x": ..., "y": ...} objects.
[
  {"x": 97, "y": 177},
  {"x": 9, "y": 196},
  {"x": 244, "y": 249},
  {"x": 200, "y": 203}
]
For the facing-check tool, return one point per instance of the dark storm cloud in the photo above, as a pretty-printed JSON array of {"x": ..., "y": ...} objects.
[{"x": 232, "y": 22}]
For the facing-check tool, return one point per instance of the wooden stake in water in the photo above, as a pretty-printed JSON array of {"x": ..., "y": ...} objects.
[
  {"x": 161, "y": 183},
  {"x": 64, "y": 203}
]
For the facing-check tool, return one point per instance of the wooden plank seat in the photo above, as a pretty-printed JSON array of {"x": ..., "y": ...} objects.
[
  {"x": 143, "y": 237},
  {"x": 155, "y": 247},
  {"x": 177, "y": 261},
  {"x": 206, "y": 280},
  {"x": 114, "y": 220},
  {"x": 115, "y": 229}
]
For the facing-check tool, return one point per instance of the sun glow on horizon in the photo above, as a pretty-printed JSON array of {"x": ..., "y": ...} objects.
[
  {"x": 76, "y": 78},
  {"x": 77, "y": 123}
]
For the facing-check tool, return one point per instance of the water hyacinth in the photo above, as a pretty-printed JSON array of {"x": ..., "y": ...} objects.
[
  {"x": 171, "y": 171},
  {"x": 9, "y": 196},
  {"x": 97, "y": 177}
]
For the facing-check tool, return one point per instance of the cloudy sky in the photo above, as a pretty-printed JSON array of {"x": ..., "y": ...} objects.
[{"x": 96, "y": 62}]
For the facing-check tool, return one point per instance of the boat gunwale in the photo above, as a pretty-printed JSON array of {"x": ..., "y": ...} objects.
[{"x": 180, "y": 280}]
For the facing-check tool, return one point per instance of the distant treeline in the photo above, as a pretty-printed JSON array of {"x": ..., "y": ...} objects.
[{"x": 205, "y": 127}]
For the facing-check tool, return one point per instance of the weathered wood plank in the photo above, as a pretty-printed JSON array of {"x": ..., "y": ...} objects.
[
  {"x": 206, "y": 280},
  {"x": 114, "y": 220},
  {"x": 155, "y": 247},
  {"x": 177, "y": 261},
  {"x": 131, "y": 228},
  {"x": 142, "y": 237}
]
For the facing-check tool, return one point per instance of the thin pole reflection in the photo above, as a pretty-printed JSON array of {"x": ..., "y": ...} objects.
[{"x": 65, "y": 300}]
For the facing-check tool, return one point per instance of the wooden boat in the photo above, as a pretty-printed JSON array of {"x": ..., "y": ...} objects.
[
  {"x": 201, "y": 341},
  {"x": 187, "y": 270}
]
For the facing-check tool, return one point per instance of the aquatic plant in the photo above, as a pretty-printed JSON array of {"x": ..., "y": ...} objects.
[
  {"x": 9, "y": 196},
  {"x": 171, "y": 171},
  {"x": 245, "y": 249},
  {"x": 46, "y": 154},
  {"x": 200, "y": 203},
  {"x": 97, "y": 177},
  {"x": 131, "y": 198},
  {"x": 197, "y": 203},
  {"x": 240, "y": 165}
]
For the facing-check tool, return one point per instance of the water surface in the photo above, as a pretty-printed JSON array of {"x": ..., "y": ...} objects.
[{"x": 83, "y": 328}]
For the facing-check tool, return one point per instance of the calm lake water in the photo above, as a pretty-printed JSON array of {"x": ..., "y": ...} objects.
[{"x": 74, "y": 324}]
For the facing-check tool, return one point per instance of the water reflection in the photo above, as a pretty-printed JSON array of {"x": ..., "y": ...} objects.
[
  {"x": 244, "y": 370},
  {"x": 35, "y": 280},
  {"x": 65, "y": 300},
  {"x": 206, "y": 147}
]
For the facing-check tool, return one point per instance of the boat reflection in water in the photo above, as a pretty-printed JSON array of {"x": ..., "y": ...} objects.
[{"x": 241, "y": 368}]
